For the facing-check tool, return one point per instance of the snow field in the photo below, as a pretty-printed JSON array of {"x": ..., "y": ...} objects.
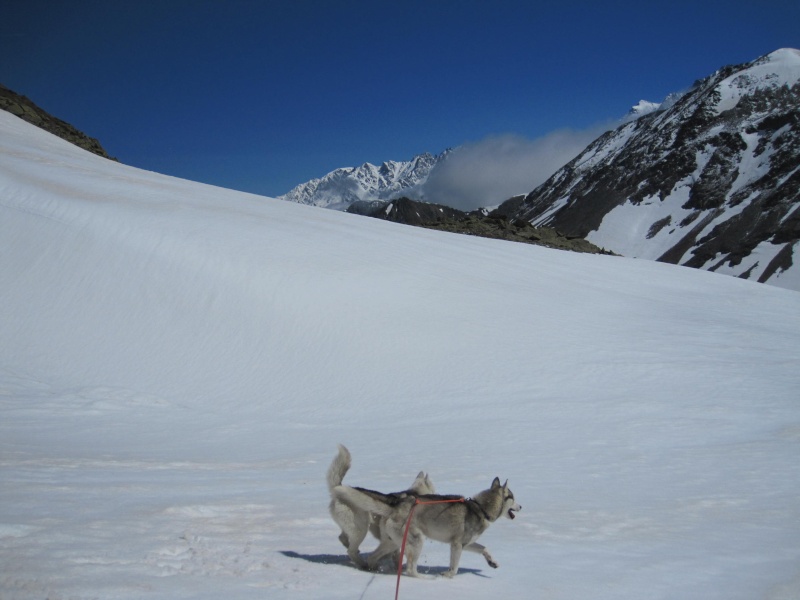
[{"x": 180, "y": 361}]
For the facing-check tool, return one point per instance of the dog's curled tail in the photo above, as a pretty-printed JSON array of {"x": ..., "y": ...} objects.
[
  {"x": 339, "y": 468},
  {"x": 362, "y": 499}
]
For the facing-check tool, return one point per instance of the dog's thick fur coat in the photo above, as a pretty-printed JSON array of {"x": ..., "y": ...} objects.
[
  {"x": 354, "y": 521},
  {"x": 457, "y": 523}
]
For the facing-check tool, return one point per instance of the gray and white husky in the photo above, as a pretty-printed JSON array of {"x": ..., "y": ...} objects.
[
  {"x": 453, "y": 520},
  {"x": 355, "y": 521}
]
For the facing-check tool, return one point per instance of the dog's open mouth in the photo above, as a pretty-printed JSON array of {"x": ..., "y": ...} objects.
[{"x": 511, "y": 514}]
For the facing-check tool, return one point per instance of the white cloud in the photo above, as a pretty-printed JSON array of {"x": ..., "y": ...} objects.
[{"x": 487, "y": 172}]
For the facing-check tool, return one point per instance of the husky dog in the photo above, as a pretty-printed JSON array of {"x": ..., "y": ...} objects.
[
  {"x": 454, "y": 520},
  {"x": 354, "y": 521}
]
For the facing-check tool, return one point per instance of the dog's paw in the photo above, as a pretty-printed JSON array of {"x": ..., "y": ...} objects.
[
  {"x": 493, "y": 563},
  {"x": 415, "y": 574},
  {"x": 449, "y": 574},
  {"x": 358, "y": 561}
]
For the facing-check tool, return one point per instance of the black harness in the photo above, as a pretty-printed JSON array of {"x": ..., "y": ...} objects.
[{"x": 476, "y": 507}]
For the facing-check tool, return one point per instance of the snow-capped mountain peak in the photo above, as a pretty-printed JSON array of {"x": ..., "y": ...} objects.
[
  {"x": 342, "y": 187},
  {"x": 642, "y": 108},
  {"x": 770, "y": 72},
  {"x": 711, "y": 179}
]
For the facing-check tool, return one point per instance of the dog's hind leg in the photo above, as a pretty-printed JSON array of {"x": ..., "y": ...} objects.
[
  {"x": 385, "y": 548},
  {"x": 354, "y": 526},
  {"x": 355, "y": 536}
]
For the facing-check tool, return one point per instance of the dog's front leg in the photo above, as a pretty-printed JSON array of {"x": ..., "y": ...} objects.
[
  {"x": 413, "y": 549},
  {"x": 483, "y": 551},
  {"x": 455, "y": 558}
]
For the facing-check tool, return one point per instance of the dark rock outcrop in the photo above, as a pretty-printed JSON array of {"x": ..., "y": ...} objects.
[
  {"x": 26, "y": 110},
  {"x": 477, "y": 223}
]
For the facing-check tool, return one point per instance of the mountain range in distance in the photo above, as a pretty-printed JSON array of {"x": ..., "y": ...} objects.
[
  {"x": 708, "y": 178},
  {"x": 342, "y": 187}
]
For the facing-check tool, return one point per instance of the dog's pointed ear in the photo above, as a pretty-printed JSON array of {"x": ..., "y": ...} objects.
[
  {"x": 421, "y": 475},
  {"x": 505, "y": 485},
  {"x": 496, "y": 483}
]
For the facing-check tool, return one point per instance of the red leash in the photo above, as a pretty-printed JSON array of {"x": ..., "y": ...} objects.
[{"x": 405, "y": 537}]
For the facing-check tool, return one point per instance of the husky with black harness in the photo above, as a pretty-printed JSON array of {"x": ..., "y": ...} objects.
[{"x": 453, "y": 520}]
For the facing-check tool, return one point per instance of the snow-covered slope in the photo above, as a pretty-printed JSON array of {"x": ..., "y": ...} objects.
[
  {"x": 342, "y": 187},
  {"x": 178, "y": 362},
  {"x": 709, "y": 180}
]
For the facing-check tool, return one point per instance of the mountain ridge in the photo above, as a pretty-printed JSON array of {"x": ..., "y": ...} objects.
[
  {"x": 708, "y": 178},
  {"x": 24, "y": 108},
  {"x": 710, "y": 182},
  {"x": 342, "y": 187}
]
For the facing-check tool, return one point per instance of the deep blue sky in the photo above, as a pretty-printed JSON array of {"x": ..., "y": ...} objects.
[{"x": 261, "y": 96}]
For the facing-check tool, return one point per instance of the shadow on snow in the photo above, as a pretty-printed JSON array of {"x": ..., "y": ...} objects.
[{"x": 344, "y": 561}]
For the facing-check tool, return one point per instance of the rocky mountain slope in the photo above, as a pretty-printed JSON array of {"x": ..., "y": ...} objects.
[
  {"x": 711, "y": 180},
  {"x": 26, "y": 110},
  {"x": 342, "y": 187},
  {"x": 477, "y": 223}
]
